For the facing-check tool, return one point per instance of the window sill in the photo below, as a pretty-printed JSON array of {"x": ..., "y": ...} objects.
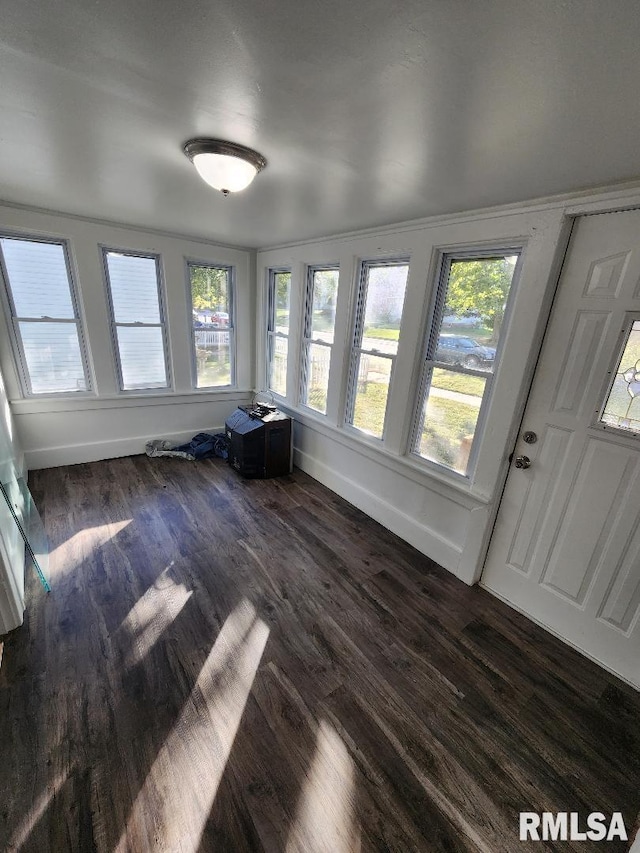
[
  {"x": 455, "y": 487},
  {"x": 126, "y": 401}
]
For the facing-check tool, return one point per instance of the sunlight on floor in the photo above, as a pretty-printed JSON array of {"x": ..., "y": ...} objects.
[
  {"x": 70, "y": 554},
  {"x": 152, "y": 614},
  {"x": 326, "y": 820},
  {"x": 198, "y": 747},
  {"x": 36, "y": 812}
]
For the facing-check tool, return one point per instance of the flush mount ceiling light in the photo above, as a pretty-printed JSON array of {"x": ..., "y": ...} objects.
[{"x": 226, "y": 166}]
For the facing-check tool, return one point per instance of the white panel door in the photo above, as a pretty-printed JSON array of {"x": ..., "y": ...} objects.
[{"x": 566, "y": 545}]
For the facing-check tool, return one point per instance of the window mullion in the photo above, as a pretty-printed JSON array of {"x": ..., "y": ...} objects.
[
  {"x": 140, "y": 325},
  {"x": 48, "y": 320}
]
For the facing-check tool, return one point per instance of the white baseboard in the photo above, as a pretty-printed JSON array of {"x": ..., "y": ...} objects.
[
  {"x": 423, "y": 538},
  {"x": 54, "y": 457}
]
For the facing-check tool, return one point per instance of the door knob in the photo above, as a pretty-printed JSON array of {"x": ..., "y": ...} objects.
[{"x": 522, "y": 462}]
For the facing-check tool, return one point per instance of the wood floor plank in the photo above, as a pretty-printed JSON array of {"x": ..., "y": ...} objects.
[{"x": 241, "y": 665}]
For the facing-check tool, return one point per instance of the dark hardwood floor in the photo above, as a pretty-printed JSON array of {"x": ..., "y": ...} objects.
[{"x": 230, "y": 665}]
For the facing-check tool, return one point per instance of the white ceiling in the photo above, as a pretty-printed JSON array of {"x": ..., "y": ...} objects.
[{"x": 368, "y": 111}]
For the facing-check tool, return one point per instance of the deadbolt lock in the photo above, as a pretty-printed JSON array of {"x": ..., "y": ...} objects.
[{"x": 529, "y": 437}]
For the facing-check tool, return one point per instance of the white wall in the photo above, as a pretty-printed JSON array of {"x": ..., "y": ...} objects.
[
  {"x": 64, "y": 429},
  {"x": 445, "y": 516}
]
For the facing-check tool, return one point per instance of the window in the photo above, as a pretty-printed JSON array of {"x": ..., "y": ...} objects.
[
  {"x": 460, "y": 356},
  {"x": 210, "y": 294},
  {"x": 138, "y": 319},
  {"x": 622, "y": 406},
  {"x": 319, "y": 327},
  {"x": 278, "y": 330},
  {"x": 375, "y": 344},
  {"x": 44, "y": 315}
]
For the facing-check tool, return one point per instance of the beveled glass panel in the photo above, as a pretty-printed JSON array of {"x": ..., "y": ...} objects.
[{"x": 622, "y": 408}]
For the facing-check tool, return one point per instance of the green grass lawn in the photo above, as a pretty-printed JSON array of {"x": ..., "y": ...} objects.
[
  {"x": 212, "y": 373},
  {"x": 447, "y": 423},
  {"x": 381, "y": 334},
  {"x": 479, "y": 333},
  {"x": 450, "y": 381}
]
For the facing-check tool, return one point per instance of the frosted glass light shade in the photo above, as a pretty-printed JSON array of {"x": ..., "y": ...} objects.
[
  {"x": 226, "y": 166},
  {"x": 224, "y": 172}
]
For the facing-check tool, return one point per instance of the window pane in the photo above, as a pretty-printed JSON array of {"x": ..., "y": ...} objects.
[
  {"x": 323, "y": 311},
  {"x": 210, "y": 296},
  {"x": 39, "y": 279},
  {"x": 213, "y": 357},
  {"x": 372, "y": 388},
  {"x": 282, "y": 297},
  {"x": 142, "y": 357},
  {"x": 622, "y": 408},
  {"x": 54, "y": 360},
  {"x": 476, "y": 297},
  {"x": 383, "y": 310},
  {"x": 318, "y": 376},
  {"x": 449, "y": 418},
  {"x": 278, "y": 364},
  {"x": 134, "y": 288}
]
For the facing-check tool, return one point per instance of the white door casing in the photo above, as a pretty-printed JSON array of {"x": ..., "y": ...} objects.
[{"x": 566, "y": 545}]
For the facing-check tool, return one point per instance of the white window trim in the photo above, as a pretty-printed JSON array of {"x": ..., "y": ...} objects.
[
  {"x": 356, "y": 349},
  {"x": 307, "y": 339},
  {"x": 156, "y": 389},
  {"x": 428, "y": 362},
  {"x": 231, "y": 280},
  {"x": 271, "y": 333},
  {"x": 13, "y": 321}
]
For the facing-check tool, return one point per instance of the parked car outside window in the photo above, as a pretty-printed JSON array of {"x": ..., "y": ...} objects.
[
  {"x": 467, "y": 352},
  {"x": 220, "y": 318}
]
